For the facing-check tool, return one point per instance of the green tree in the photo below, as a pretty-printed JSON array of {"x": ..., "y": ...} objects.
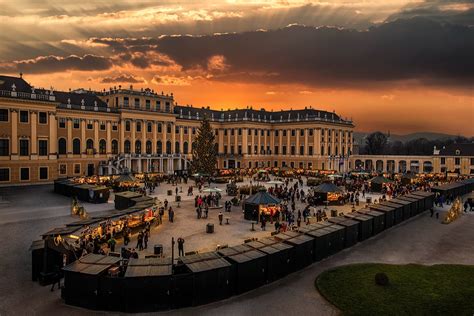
[{"x": 204, "y": 151}]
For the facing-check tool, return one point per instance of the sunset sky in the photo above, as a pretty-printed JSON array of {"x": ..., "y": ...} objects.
[{"x": 397, "y": 65}]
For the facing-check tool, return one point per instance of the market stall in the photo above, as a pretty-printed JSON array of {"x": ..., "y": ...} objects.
[
  {"x": 329, "y": 192},
  {"x": 261, "y": 204},
  {"x": 379, "y": 183}
]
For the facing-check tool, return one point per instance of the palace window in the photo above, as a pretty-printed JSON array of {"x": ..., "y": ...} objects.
[
  {"x": 139, "y": 126},
  {"x": 4, "y": 174},
  {"x": 301, "y": 132},
  {"x": 147, "y": 104},
  {"x": 77, "y": 168},
  {"x": 4, "y": 147},
  {"x": 310, "y": 150},
  {"x": 76, "y": 146},
  {"x": 102, "y": 125},
  {"x": 293, "y": 132},
  {"x": 24, "y": 116},
  {"x": 3, "y": 115},
  {"x": 158, "y": 105},
  {"x": 42, "y": 118},
  {"x": 42, "y": 147},
  {"x": 159, "y": 127},
  {"x": 457, "y": 161},
  {"x": 127, "y": 126},
  {"x": 168, "y": 128},
  {"x": 149, "y": 127},
  {"x": 24, "y": 147},
  {"x": 43, "y": 173},
  {"x": 24, "y": 174},
  {"x": 62, "y": 169},
  {"x": 114, "y": 147},
  {"x": 114, "y": 127},
  {"x": 62, "y": 122},
  {"x": 167, "y": 107},
  {"x": 62, "y": 146},
  {"x": 125, "y": 102},
  {"x": 102, "y": 147},
  {"x": 137, "y": 103},
  {"x": 90, "y": 124},
  {"x": 76, "y": 123},
  {"x": 311, "y": 132}
]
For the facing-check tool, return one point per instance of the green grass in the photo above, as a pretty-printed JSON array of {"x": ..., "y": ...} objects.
[{"x": 413, "y": 289}]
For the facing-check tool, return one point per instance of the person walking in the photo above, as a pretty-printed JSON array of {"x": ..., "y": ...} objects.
[
  {"x": 180, "y": 246},
  {"x": 112, "y": 243},
  {"x": 221, "y": 217},
  {"x": 171, "y": 214},
  {"x": 145, "y": 239},
  {"x": 140, "y": 241}
]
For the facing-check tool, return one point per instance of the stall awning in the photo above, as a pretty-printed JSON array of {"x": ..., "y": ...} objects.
[
  {"x": 327, "y": 187},
  {"x": 262, "y": 198},
  {"x": 92, "y": 264},
  {"x": 380, "y": 180},
  {"x": 149, "y": 267}
]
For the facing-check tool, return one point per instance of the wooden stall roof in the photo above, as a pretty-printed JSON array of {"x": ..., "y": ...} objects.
[
  {"x": 199, "y": 257},
  {"x": 128, "y": 194},
  {"x": 281, "y": 246},
  {"x": 448, "y": 186},
  {"x": 85, "y": 222},
  {"x": 358, "y": 216},
  {"x": 206, "y": 265},
  {"x": 400, "y": 200},
  {"x": 343, "y": 221},
  {"x": 37, "y": 244},
  {"x": 381, "y": 207},
  {"x": 370, "y": 212},
  {"x": 143, "y": 199},
  {"x": 292, "y": 233},
  {"x": 256, "y": 244},
  {"x": 334, "y": 227},
  {"x": 267, "y": 241},
  {"x": 298, "y": 240},
  {"x": 67, "y": 230},
  {"x": 422, "y": 193},
  {"x": 149, "y": 267},
  {"x": 390, "y": 204},
  {"x": 230, "y": 251},
  {"x": 247, "y": 256},
  {"x": 92, "y": 264}
]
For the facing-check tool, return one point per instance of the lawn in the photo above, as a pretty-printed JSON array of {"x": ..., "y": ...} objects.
[{"x": 413, "y": 289}]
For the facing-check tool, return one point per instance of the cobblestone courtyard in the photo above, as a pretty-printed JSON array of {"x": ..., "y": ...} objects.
[{"x": 26, "y": 212}]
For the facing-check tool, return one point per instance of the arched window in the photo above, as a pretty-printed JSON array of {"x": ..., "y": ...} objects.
[
  {"x": 176, "y": 147},
  {"x": 90, "y": 144},
  {"x": 102, "y": 147},
  {"x": 127, "y": 146},
  {"x": 185, "y": 148},
  {"x": 114, "y": 147},
  {"x": 168, "y": 147},
  {"x": 138, "y": 147},
  {"x": 62, "y": 150},
  {"x": 148, "y": 147},
  {"x": 159, "y": 147},
  {"x": 168, "y": 128},
  {"x": 76, "y": 146}
]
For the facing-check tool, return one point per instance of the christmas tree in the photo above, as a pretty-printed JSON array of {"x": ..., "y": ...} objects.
[{"x": 204, "y": 151}]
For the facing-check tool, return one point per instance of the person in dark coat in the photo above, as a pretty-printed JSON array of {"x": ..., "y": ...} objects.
[
  {"x": 180, "y": 246},
  {"x": 56, "y": 278}
]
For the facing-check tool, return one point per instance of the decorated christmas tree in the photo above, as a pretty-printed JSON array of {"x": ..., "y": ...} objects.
[{"x": 204, "y": 151}]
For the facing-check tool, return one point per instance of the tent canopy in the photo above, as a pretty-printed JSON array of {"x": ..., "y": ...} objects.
[
  {"x": 380, "y": 180},
  {"x": 126, "y": 177},
  {"x": 262, "y": 198},
  {"x": 327, "y": 187}
]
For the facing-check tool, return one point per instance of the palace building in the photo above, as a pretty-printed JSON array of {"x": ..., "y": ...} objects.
[{"x": 46, "y": 134}]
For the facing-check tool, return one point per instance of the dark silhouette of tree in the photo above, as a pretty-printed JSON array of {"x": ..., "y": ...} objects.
[
  {"x": 375, "y": 143},
  {"x": 204, "y": 152}
]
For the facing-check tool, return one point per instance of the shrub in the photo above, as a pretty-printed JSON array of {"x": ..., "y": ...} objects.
[{"x": 381, "y": 279}]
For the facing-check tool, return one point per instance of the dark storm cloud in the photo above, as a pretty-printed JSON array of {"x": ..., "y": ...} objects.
[
  {"x": 51, "y": 64},
  {"x": 446, "y": 11},
  {"x": 416, "y": 48},
  {"x": 122, "y": 78}
]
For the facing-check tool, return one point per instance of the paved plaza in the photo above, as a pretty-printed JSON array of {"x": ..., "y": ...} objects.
[{"x": 26, "y": 212}]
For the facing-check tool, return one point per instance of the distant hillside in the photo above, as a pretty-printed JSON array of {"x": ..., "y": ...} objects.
[{"x": 358, "y": 136}]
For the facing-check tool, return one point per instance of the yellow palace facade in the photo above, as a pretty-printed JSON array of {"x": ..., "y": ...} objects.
[{"x": 45, "y": 134}]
